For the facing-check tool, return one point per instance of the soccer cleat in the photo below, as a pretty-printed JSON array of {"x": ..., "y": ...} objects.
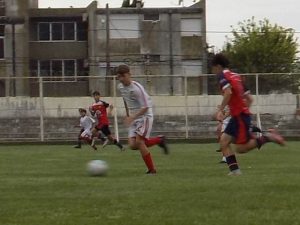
[
  {"x": 151, "y": 172},
  {"x": 94, "y": 147},
  {"x": 273, "y": 136},
  {"x": 163, "y": 144},
  {"x": 218, "y": 150},
  {"x": 106, "y": 142},
  {"x": 255, "y": 129},
  {"x": 93, "y": 144},
  {"x": 235, "y": 173},
  {"x": 77, "y": 146},
  {"x": 223, "y": 160}
]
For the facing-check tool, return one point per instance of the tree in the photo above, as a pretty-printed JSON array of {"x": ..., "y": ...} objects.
[{"x": 263, "y": 48}]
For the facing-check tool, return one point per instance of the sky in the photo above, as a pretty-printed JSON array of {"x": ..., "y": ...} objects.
[{"x": 221, "y": 14}]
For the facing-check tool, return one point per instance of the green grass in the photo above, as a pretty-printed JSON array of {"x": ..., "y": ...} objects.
[{"x": 48, "y": 185}]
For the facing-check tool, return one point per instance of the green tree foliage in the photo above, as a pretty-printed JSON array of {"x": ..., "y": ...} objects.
[{"x": 263, "y": 48}]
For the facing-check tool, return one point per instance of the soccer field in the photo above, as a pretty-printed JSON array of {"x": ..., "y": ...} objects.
[{"x": 48, "y": 185}]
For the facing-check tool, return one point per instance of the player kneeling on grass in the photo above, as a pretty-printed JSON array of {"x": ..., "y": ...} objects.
[
  {"x": 238, "y": 128},
  {"x": 86, "y": 125},
  {"x": 139, "y": 117}
]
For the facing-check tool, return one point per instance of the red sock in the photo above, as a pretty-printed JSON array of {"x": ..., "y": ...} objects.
[
  {"x": 152, "y": 141},
  {"x": 148, "y": 161}
]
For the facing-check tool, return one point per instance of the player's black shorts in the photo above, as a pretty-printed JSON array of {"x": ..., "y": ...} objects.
[
  {"x": 238, "y": 127},
  {"x": 104, "y": 129}
]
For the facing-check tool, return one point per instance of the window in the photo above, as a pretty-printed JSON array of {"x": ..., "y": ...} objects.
[
  {"x": 57, "y": 31},
  {"x": 55, "y": 68},
  {"x": 33, "y": 67},
  {"x": 69, "y": 31},
  {"x": 82, "y": 67},
  {"x": 124, "y": 26},
  {"x": 44, "y": 31},
  {"x": 44, "y": 68},
  {"x": 151, "y": 16},
  {"x": 82, "y": 30},
  {"x": 69, "y": 68},
  {"x": 191, "y": 27}
]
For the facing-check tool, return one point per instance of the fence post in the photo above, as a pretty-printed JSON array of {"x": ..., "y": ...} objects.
[
  {"x": 116, "y": 126},
  {"x": 41, "y": 108},
  {"x": 186, "y": 107},
  {"x": 257, "y": 103}
]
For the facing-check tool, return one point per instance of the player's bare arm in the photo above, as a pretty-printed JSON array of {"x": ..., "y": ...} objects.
[
  {"x": 110, "y": 110},
  {"x": 226, "y": 97},
  {"x": 249, "y": 99}
]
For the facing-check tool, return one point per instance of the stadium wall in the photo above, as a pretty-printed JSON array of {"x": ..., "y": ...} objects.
[
  {"x": 15, "y": 107},
  {"x": 177, "y": 117}
]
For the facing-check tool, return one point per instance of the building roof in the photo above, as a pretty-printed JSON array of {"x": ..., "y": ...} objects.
[
  {"x": 150, "y": 10},
  {"x": 57, "y": 12}
]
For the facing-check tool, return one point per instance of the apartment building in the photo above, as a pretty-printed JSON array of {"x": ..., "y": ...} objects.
[{"x": 68, "y": 46}]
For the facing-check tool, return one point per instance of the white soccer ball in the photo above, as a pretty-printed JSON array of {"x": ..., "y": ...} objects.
[{"x": 97, "y": 168}]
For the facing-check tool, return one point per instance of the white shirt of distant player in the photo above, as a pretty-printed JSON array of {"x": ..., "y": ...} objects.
[
  {"x": 136, "y": 98},
  {"x": 86, "y": 123},
  {"x": 225, "y": 121}
]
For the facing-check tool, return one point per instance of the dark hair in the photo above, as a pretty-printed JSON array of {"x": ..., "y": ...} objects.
[
  {"x": 96, "y": 93},
  {"x": 122, "y": 69},
  {"x": 82, "y": 110},
  {"x": 220, "y": 59}
]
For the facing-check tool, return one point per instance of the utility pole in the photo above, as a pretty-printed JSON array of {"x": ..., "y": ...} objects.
[
  {"x": 13, "y": 44},
  {"x": 171, "y": 53},
  {"x": 107, "y": 41},
  {"x": 204, "y": 50}
]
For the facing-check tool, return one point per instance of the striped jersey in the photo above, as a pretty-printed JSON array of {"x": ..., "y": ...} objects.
[
  {"x": 237, "y": 104},
  {"x": 136, "y": 98},
  {"x": 98, "y": 109}
]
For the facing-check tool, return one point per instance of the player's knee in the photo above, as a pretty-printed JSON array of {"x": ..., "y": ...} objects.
[
  {"x": 133, "y": 146},
  {"x": 139, "y": 143},
  {"x": 224, "y": 143},
  {"x": 240, "y": 150}
]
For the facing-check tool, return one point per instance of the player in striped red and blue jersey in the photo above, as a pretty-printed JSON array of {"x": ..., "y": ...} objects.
[{"x": 238, "y": 129}]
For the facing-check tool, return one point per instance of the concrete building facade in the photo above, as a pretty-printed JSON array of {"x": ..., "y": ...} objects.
[{"x": 62, "y": 45}]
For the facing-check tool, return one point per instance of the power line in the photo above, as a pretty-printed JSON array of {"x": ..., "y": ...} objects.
[{"x": 165, "y": 31}]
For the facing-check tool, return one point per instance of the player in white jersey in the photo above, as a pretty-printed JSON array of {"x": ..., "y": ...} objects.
[
  {"x": 139, "y": 117},
  {"x": 222, "y": 126},
  {"x": 86, "y": 125}
]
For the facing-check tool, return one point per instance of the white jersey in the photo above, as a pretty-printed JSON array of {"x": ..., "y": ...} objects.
[
  {"x": 226, "y": 119},
  {"x": 136, "y": 98},
  {"x": 86, "y": 122}
]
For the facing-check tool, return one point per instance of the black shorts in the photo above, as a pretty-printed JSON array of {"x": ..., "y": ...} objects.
[
  {"x": 104, "y": 129},
  {"x": 239, "y": 128}
]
